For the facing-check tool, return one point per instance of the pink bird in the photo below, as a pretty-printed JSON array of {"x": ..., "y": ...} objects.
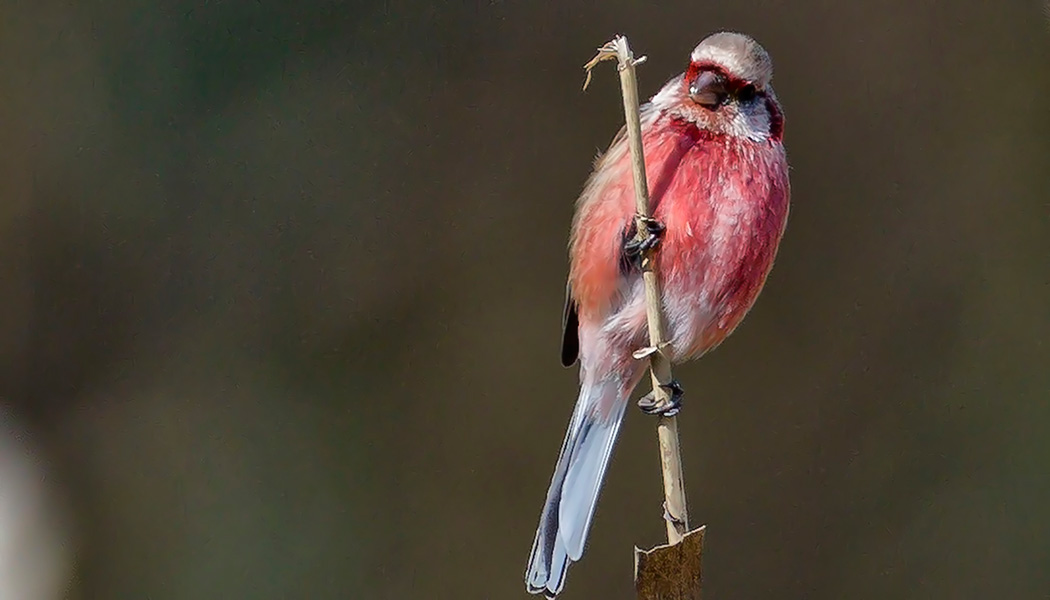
[{"x": 719, "y": 188}]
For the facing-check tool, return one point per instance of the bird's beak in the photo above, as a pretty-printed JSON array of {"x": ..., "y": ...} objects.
[{"x": 709, "y": 90}]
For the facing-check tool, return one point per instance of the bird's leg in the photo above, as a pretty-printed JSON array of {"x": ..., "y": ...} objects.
[
  {"x": 650, "y": 406},
  {"x": 635, "y": 247}
]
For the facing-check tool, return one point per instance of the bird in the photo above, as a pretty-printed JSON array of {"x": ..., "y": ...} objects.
[{"x": 720, "y": 193}]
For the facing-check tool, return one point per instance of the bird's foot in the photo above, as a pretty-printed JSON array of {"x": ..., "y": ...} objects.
[
  {"x": 635, "y": 248},
  {"x": 650, "y": 406}
]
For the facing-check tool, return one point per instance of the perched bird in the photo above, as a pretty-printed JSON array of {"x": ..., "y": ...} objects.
[{"x": 719, "y": 189}]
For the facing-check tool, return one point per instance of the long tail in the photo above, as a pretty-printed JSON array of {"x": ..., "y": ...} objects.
[{"x": 573, "y": 493}]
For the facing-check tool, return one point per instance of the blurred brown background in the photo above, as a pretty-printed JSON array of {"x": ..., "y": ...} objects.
[{"x": 282, "y": 289}]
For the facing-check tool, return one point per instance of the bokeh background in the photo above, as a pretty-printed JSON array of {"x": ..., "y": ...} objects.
[{"x": 282, "y": 286}]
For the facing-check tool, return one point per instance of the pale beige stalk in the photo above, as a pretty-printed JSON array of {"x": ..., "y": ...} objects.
[{"x": 676, "y": 516}]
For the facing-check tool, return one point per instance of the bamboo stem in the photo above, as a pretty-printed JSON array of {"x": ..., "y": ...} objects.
[{"x": 676, "y": 515}]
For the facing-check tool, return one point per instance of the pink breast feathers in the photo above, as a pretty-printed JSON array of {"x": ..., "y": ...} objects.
[{"x": 725, "y": 207}]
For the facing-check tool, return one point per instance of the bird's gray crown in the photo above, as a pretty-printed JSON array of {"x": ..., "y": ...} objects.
[{"x": 739, "y": 55}]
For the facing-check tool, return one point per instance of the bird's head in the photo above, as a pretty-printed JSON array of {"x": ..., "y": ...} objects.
[{"x": 726, "y": 90}]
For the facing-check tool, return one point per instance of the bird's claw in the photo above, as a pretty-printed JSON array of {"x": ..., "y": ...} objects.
[
  {"x": 650, "y": 406},
  {"x": 636, "y": 248}
]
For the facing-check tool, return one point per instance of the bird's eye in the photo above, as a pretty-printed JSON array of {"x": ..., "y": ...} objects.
[{"x": 747, "y": 93}]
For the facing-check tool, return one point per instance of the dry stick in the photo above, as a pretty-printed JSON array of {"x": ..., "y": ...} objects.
[
  {"x": 670, "y": 456},
  {"x": 671, "y": 572}
]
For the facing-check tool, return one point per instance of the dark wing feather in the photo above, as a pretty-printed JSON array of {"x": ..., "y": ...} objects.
[{"x": 570, "y": 325}]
